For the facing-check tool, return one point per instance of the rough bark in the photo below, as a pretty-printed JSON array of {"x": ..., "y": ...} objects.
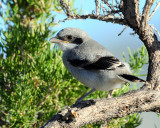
[
  {"x": 97, "y": 110},
  {"x": 139, "y": 23},
  {"x": 145, "y": 99}
]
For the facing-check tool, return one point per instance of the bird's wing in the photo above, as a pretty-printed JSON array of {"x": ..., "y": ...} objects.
[
  {"x": 130, "y": 78},
  {"x": 101, "y": 63}
]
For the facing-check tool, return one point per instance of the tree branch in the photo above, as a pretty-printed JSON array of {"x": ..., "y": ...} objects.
[
  {"x": 108, "y": 18},
  {"x": 97, "y": 6},
  {"x": 122, "y": 30},
  {"x": 66, "y": 8},
  {"x": 97, "y": 17},
  {"x": 93, "y": 111},
  {"x": 110, "y": 6},
  {"x": 130, "y": 10},
  {"x": 145, "y": 14},
  {"x": 155, "y": 9},
  {"x": 139, "y": 24}
]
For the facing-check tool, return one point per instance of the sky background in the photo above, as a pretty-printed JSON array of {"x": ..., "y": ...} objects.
[{"x": 107, "y": 35}]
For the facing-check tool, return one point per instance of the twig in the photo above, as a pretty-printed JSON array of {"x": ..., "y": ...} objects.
[
  {"x": 121, "y": 4},
  {"x": 29, "y": 56},
  {"x": 66, "y": 8},
  {"x": 103, "y": 9},
  {"x": 155, "y": 29},
  {"x": 155, "y": 9},
  {"x": 112, "y": 9},
  {"x": 97, "y": 6},
  {"x": 110, "y": 6},
  {"x": 1, "y": 5},
  {"x": 112, "y": 3},
  {"x": 13, "y": 57},
  {"x": 133, "y": 33},
  {"x": 122, "y": 31}
]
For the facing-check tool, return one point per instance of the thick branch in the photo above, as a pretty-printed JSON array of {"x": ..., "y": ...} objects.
[
  {"x": 140, "y": 25},
  {"x": 103, "y": 109},
  {"x": 145, "y": 15},
  {"x": 131, "y": 13}
]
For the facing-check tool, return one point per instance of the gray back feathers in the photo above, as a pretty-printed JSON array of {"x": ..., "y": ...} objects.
[{"x": 75, "y": 32}]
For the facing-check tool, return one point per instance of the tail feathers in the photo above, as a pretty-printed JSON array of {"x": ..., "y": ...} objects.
[{"x": 131, "y": 78}]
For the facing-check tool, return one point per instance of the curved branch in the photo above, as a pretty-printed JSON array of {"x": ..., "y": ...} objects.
[
  {"x": 140, "y": 25},
  {"x": 93, "y": 111},
  {"x": 98, "y": 17},
  {"x": 107, "y": 18}
]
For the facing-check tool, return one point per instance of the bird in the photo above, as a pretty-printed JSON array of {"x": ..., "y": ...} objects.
[{"x": 91, "y": 63}]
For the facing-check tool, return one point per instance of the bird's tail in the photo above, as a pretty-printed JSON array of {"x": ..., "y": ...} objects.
[{"x": 131, "y": 78}]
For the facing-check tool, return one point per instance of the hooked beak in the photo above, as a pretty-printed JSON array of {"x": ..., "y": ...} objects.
[{"x": 57, "y": 41}]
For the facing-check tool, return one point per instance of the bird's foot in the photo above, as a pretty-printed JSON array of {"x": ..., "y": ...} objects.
[
  {"x": 109, "y": 95},
  {"x": 81, "y": 98}
]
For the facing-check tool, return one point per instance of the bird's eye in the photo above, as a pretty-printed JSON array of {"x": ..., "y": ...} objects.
[{"x": 69, "y": 37}]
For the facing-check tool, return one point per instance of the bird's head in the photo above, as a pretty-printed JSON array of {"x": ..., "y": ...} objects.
[{"x": 69, "y": 38}]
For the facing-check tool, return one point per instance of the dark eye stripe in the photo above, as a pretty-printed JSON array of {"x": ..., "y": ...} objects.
[
  {"x": 69, "y": 37},
  {"x": 61, "y": 38},
  {"x": 78, "y": 41}
]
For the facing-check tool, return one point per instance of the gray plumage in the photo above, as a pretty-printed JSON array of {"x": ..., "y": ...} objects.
[{"x": 91, "y": 63}]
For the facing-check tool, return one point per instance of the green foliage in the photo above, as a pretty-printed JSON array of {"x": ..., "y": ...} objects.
[
  {"x": 130, "y": 121},
  {"x": 34, "y": 84},
  {"x": 133, "y": 121},
  {"x": 33, "y": 80},
  {"x": 137, "y": 59},
  {"x": 32, "y": 12},
  {"x": 38, "y": 92}
]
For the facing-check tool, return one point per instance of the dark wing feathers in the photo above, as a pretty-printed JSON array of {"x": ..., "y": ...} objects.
[
  {"x": 108, "y": 62},
  {"x": 131, "y": 78},
  {"x": 77, "y": 62}
]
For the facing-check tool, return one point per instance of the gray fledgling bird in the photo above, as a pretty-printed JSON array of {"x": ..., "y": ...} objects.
[{"x": 91, "y": 63}]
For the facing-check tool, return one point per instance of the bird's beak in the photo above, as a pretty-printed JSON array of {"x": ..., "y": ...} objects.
[{"x": 57, "y": 41}]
